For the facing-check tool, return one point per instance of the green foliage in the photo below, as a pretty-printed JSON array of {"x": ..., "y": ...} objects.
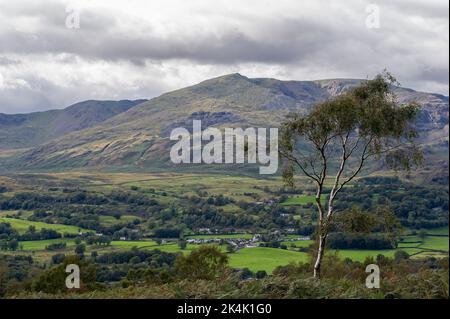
[
  {"x": 53, "y": 280},
  {"x": 182, "y": 244},
  {"x": 206, "y": 262},
  {"x": 229, "y": 248},
  {"x": 56, "y": 246},
  {"x": 414, "y": 205},
  {"x": 355, "y": 221},
  {"x": 80, "y": 249},
  {"x": 343, "y": 133},
  {"x": 401, "y": 278},
  {"x": 368, "y": 119},
  {"x": 400, "y": 255},
  {"x": 24, "y": 226}
]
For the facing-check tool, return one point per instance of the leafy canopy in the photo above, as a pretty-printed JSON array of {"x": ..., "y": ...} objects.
[{"x": 363, "y": 122}]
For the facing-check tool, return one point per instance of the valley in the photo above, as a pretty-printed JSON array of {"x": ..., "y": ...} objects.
[
  {"x": 130, "y": 222},
  {"x": 94, "y": 184}
]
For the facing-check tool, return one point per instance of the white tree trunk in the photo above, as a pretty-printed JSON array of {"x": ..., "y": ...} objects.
[{"x": 320, "y": 252}]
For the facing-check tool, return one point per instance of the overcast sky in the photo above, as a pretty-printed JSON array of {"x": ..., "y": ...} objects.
[{"x": 140, "y": 48}]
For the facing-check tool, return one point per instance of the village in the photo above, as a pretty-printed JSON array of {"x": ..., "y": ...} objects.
[{"x": 239, "y": 243}]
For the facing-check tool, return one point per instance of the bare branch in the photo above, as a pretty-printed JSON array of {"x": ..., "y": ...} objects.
[
  {"x": 295, "y": 160},
  {"x": 364, "y": 156},
  {"x": 387, "y": 150},
  {"x": 355, "y": 146},
  {"x": 334, "y": 190}
]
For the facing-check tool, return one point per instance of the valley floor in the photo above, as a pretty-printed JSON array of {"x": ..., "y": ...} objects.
[{"x": 243, "y": 216}]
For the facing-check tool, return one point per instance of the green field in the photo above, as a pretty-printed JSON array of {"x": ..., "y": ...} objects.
[
  {"x": 110, "y": 220},
  {"x": 174, "y": 184},
  {"x": 245, "y": 236},
  {"x": 298, "y": 243},
  {"x": 257, "y": 258},
  {"x": 173, "y": 248},
  {"x": 262, "y": 258},
  {"x": 41, "y": 244},
  {"x": 435, "y": 243},
  {"x": 4, "y": 213},
  {"x": 361, "y": 255},
  {"x": 438, "y": 231},
  {"x": 22, "y": 226},
  {"x": 301, "y": 200},
  {"x": 130, "y": 244}
]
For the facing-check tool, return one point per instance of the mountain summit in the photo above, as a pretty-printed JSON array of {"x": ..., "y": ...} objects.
[{"x": 139, "y": 136}]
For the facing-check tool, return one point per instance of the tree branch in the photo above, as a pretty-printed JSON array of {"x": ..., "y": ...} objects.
[
  {"x": 364, "y": 156},
  {"x": 296, "y": 161}
]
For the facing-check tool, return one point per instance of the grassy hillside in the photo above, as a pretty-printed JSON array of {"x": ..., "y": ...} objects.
[
  {"x": 22, "y": 226},
  {"x": 28, "y": 130},
  {"x": 138, "y": 138}
]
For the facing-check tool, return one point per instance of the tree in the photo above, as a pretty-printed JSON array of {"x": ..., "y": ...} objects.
[
  {"x": 13, "y": 245},
  {"x": 340, "y": 135},
  {"x": 229, "y": 248},
  {"x": 80, "y": 249},
  {"x": 94, "y": 255},
  {"x": 53, "y": 280},
  {"x": 390, "y": 225},
  {"x": 58, "y": 259},
  {"x": 205, "y": 262},
  {"x": 135, "y": 260},
  {"x": 354, "y": 220},
  {"x": 400, "y": 255},
  {"x": 182, "y": 244},
  {"x": 260, "y": 274},
  {"x": 32, "y": 229}
]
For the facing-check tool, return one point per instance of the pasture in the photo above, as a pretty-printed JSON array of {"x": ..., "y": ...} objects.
[
  {"x": 299, "y": 200},
  {"x": 245, "y": 236},
  {"x": 254, "y": 258},
  {"x": 262, "y": 258},
  {"x": 22, "y": 225},
  {"x": 110, "y": 220}
]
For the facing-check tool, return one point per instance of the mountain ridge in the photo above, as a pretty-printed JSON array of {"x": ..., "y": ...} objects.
[
  {"x": 30, "y": 129},
  {"x": 139, "y": 136}
]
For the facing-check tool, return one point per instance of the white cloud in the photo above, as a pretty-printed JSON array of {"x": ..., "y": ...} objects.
[{"x": 138, "y": 48}]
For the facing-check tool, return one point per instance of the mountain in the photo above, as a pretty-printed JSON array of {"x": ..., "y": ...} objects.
[
  {"x": 139, "y": 136},
  {"x": 26, "y": 130}
]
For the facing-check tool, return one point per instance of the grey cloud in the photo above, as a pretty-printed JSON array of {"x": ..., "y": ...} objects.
[
  {"x": 429, "y": 9},
  {"x": 35, "y": 95},
  {"x": 8, "y": 61},
  {"x": 287, "y": 41},
  {"x": 290, "y": 41},
  {"x": 52, "y": 14},
  {"x": 438, "y": 75},
  {"x": 22, "y": 100},
  {"x": 337, "y": 42}
]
